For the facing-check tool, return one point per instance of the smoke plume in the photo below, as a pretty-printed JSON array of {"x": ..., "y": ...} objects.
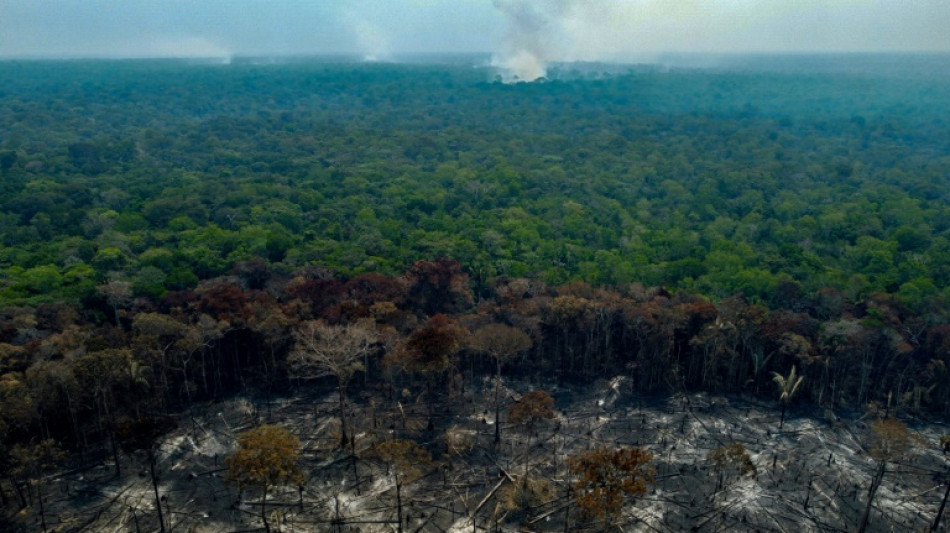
[
  {"x": 539, "y": 32},
  {"x": 533, "y": 30}
]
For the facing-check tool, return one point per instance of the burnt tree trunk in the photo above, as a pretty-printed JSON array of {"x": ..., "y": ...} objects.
[
  {"x": 264, "y": 509},
  {"x": 39, "y": 497},
  {"x": 943, "y": 504},
  {"x": 343, "y": 439},
  {"x": 399, "y": 506},
  {"x": 158, "y": 500},
  {"x": 872, "y": 491}
]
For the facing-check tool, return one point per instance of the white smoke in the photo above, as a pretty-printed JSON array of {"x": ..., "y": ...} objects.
[
  {"x": 539, "y": 32},
  {"x": 531, "y": 37},
  {"x": 370, "y": 39}
]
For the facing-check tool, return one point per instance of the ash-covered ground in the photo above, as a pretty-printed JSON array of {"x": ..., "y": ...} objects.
[{"x": 813, "y": 475}]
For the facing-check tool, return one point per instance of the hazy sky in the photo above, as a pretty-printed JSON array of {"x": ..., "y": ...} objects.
[{"x": 543, "y": 29}]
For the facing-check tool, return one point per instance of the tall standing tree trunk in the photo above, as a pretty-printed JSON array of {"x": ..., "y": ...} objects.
[
  {"x": 936, "y": 525},
  {"x": 875, "y": 484},
  {"x": 264, "y": 510},
  {"x": 497, "y": 406},
  {"x": 72, "y": 415},
  {"x": 115, "y": 451},
  {"x": 18, "y": 491},
  {"x": 567, "y": 514},
  {"x": 430, "y": 403},
  {"x": 398, "y": 504},
  {"x": 39, "y": 497},
  {"x": 218, "y": 377},
  {"x": 186, "y": 382},
  {"x": 781, "y": 421},
  {"x": 527, "y": 456},
  {"x": 238, "y": 373},
  {"x": 356, "y": 472},
  {"x": 343, "y": 437},
  {"x": 158, "y": 500}
]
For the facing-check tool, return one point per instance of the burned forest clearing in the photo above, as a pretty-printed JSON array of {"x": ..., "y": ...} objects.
[{"x": 813, "y": 475}]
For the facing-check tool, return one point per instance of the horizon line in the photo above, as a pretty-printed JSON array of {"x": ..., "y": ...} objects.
[{"x": 390, "y": 57}]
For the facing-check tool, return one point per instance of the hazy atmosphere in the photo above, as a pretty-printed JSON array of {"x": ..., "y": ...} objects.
[
  {"x": 476, "y": 266},
  {"x": 514, "y": 30}
]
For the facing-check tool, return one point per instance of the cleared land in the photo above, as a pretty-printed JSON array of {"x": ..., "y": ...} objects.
[{"x": 814, "y": 475}]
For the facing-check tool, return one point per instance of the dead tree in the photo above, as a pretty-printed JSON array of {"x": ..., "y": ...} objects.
[
  {"x": 731, "y": 459},
  {"x": 324, "y": 350},
  {"x": 892, "y": 441},
  {"x": 142, "y": 435},
  {"x": 405, "y": 461},
  {"x": 501, "y": 342}
]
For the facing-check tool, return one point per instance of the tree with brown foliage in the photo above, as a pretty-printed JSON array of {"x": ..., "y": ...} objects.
[
  {"x": 530, "y": 409},
  {"x": 501, "y": 343},
  {"x": 224, "y": 301},
  {"x": 428, "y": 352},
  {"x": 731, "y": 460},
  {"x": 519, "y": 498},
  {"x": 606, "y": 477},
  {"x": 405, "y": 461},
  {"x": 429, "y": 348},
  {"x": 371, "y": 287},
  {"x": 17, "y": 405},
  {"x": 438, "y": 286},
  {"x": 13, "y": 357},
  {"x": 314, "y": 296},
  {"x": 891, "y": 440},
  {"x": 338, "y": 351},
  {"x": 274, "y": 328},
  {"x": 266, "y": 457}
]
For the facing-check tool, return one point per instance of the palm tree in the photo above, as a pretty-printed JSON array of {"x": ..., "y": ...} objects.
[{"x": 787, "y": 387}]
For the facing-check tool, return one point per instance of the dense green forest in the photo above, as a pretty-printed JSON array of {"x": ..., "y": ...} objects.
[
  {"x": 168, "y": 230},
  {"x": 716, "y": 181}
]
